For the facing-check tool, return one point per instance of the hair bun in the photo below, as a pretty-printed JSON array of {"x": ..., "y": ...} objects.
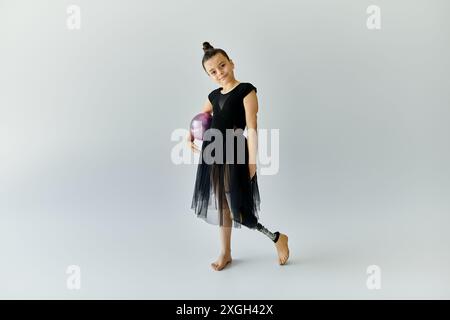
[{"x": 207, "y": 46}]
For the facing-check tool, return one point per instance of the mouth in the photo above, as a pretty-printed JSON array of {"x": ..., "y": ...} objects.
[{"x": 222, "y": 78}]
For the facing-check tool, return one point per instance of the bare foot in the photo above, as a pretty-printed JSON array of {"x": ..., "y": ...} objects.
[
  {"x": 282, "y": 249},
  {"x": 221, "y": 262}
]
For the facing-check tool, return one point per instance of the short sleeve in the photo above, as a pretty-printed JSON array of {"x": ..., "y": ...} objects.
[
  {"x": 211, "y": 96},
  {"x": 248, "y": 88}
]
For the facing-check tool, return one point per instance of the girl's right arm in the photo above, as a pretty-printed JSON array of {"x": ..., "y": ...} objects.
[{"x": 208, "y": 108}]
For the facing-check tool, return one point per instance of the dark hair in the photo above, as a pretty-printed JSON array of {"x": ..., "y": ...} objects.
[{"x": 209, "y": 52}]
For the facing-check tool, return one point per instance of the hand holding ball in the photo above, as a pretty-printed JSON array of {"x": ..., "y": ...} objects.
[{"x": 199, "y": 124}]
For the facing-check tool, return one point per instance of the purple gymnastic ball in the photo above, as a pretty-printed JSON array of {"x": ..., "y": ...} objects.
[{"x": 199, "y": 124}]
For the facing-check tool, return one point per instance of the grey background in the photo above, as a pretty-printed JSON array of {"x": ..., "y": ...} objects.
[{"x": 86, "y": 176}]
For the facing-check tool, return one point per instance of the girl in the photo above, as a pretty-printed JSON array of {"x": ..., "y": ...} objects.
[{"x": 227, "y": 194}]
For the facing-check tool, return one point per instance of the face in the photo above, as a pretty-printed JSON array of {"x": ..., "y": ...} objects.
[{"x": 220, "y": 69}]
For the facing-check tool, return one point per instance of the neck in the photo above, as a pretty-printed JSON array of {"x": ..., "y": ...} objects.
[{"x": 228, "y": 86}]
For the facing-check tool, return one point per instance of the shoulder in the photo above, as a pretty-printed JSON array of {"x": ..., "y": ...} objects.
[
  {"x": 250, "y": 99},
  {"x": 246, "y": 88},
  {"x": 212, "y": 94}
]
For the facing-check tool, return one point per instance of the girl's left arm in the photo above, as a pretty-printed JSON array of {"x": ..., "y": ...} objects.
[{"x": 251, "y": 110}]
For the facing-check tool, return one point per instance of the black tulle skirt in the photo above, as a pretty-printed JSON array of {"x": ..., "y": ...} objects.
[{"x": 225, "y": 194}]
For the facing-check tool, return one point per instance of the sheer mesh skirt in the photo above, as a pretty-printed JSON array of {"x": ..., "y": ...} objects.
[{"x": 225, "y": 195}]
